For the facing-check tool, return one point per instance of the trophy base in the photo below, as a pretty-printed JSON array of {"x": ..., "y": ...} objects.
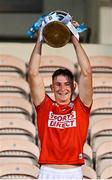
[{"x": 56, "y": 34}]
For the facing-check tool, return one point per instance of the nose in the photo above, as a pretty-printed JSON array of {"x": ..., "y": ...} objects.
[{"x": 62, "y": 87}]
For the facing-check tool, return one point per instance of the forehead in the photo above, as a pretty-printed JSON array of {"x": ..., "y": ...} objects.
[{"x": 61, "y": 78}]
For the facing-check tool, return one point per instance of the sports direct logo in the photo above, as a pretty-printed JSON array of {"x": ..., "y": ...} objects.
[{"x": 62, "y": 121}]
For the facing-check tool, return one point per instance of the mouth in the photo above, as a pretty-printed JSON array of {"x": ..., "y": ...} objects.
[
  {"x": 62, "y": 94},
  {"x": 62, "y": 97}
]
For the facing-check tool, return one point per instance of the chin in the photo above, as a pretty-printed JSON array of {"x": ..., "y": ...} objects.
[{"x": 62, "y": 101}]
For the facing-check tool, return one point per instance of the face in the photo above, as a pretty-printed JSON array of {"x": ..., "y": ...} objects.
[{"x": 62, "y": 88}]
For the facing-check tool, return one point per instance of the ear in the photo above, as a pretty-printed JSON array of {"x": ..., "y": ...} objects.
[
  {"x": 74, "y": 85},
  {"x": 75, "y": 88},
  {"x": 51, "y": 86}
]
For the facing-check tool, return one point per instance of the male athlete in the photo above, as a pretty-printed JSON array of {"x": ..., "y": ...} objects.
[{"x": 63, "y": 123}]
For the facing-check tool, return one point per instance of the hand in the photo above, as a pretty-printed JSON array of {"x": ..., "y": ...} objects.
[
  {"x": 75, "y": 23},
  {"x": 75, "y": 38},
  {"x": 40, "y": 32}
]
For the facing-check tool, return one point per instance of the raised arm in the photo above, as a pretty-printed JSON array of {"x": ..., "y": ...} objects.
[
  {"x": 34, "y": 78},
  {"x": 85, "y": 81}
]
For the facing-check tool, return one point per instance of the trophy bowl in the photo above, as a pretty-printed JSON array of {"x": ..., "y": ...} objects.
[{"x": 57, "y": 34}]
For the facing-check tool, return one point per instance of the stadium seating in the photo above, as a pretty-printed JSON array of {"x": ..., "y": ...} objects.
[
  {"x": 50, "y": 63},
  {"x": 88, "y": 155},
  {"x": 21, "y": 128},
  {"x": 107, "y": 173},
  {"x": 15, "y": 105},
  {"x": 15, "y": 86},
  {"x": 19, "y": 171},
  {"x": 101, "y": 66},
  {"x": 88, "y": 172},
  {"x": 11, "y": 65},
  {"x": 101, "y": 108},
  {"x": 19, "y": 146},
  {"x": 102, "y": 86},
  {"x": 103, "y": 157},
  {"x": 100, "y": 132}
]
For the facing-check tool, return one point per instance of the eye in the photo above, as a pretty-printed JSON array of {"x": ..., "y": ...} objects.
[
  {"x": 57, "y": 84},
  {"x": 68, "y": 84}
]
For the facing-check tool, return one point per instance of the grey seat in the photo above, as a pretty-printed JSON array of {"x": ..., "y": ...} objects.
[
  {"x": 21, "y": 128},
  {"x": 19, "y": 171},
  {"x": 16, "y": 105},
  {"x": 12, "y": 65},
  {"x": 15, "y": 86},
  {"x": 18, "y": 148},
  {"x": 88, "y": 172},
  {"x": 50, "y": 63},
  {"x": 103, "y": 157}
]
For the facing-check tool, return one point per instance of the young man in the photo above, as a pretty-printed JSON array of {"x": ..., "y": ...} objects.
[{"x": 63, "y": 123}]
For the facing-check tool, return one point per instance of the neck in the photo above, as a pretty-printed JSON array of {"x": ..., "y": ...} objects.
[{"x": 63, "y": 102}]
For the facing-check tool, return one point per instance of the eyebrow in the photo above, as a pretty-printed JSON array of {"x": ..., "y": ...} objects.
[{"x": 63, "y": 82}]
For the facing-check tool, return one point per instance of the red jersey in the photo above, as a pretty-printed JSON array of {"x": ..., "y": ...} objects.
[{"x": 62, "y": 131}]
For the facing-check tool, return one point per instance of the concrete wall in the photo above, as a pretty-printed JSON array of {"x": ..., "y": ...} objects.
[
  {"x": 23, "y": 50},
  {"x": 82, "y": 10},
  {"x": 87, "y": 11}
]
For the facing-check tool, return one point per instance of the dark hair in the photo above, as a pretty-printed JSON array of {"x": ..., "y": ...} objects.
[{"x": 64, "y": 72}]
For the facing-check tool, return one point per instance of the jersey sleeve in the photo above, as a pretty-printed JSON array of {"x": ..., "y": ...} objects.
[
  {"x": 43, "y": 104},
  {"x": 85, "y": 108}
]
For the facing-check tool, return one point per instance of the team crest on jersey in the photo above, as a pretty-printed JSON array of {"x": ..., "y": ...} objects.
[{"x": 62, "y": 121}]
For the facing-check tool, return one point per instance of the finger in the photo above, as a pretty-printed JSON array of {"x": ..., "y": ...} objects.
[{"x": 75, "y": 23}]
